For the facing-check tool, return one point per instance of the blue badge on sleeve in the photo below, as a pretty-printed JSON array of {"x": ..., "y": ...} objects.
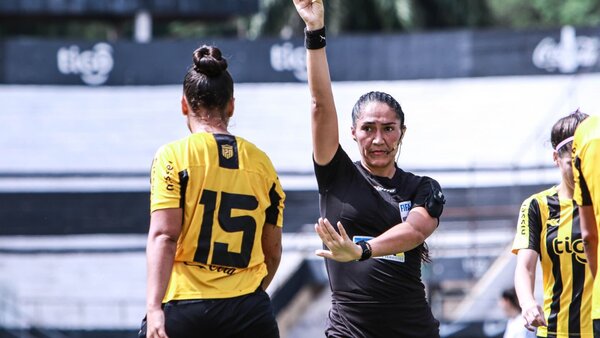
[{"x": 399, "y": 257}]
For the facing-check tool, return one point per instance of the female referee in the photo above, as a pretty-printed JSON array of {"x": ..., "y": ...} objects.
[
  {"x": 383, "y": 214},
  {"x": 214, "y": 242},
  {"x": 549, "y": 230}
]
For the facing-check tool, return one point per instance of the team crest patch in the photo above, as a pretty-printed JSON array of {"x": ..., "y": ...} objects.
[{"x": 227, "y": 151}]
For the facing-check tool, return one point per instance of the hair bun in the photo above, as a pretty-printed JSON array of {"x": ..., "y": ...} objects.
[{"x": 209, "y": 61}]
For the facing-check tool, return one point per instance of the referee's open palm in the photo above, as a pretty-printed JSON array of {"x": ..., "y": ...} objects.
[{"x": 341, "y": 248}]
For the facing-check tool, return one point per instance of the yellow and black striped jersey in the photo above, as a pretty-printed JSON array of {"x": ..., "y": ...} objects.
[
  {"x": 586, "y": 172},
  {"x": 550, "y": 226},
  {"x": 228, "y": 190}
]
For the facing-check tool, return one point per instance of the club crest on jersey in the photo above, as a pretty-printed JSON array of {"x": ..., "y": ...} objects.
[
  {"x": 404, "y": 209},
  {"x": 227, "y": 151}
]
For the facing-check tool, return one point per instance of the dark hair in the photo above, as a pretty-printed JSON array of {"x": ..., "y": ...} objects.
[
  {"x": 510, "y": 295},
  {"x": 565, "y": 128},
  {"x": 207, "y": 83},
  {"x": 376, "y": 97},
  {"x": 424, "y": 251}
]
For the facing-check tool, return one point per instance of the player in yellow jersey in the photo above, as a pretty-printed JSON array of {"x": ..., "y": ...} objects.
[
  {"x": 214, "y": 242},
  {"x": 549, "y": 229},
  {"x": 586, "y": 170}
]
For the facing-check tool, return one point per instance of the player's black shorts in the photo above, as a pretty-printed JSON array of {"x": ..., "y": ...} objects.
[{"x": 249, "y": 316}]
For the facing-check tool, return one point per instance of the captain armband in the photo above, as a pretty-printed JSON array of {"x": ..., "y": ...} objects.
[{"x": 435, "y": 201}]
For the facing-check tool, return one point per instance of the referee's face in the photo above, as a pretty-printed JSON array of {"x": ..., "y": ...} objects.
[{"x": 378, "y": 133}]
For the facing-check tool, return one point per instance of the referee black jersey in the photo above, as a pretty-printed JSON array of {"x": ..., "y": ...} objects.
[{"x": 383, "y": 296}]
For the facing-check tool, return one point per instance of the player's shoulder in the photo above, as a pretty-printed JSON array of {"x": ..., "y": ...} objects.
[
  {"x": 248, "y": 145},
  {"x": 592, "y": 122},
  {"x": 249, "y": 150},
  {"x": 167, "y": 148},
  {"x": 588, "y": 129},
  {"x": 252, "y": 155},
  {"x": 541, "y": 196},
  {"x": 173, "y": 147}
]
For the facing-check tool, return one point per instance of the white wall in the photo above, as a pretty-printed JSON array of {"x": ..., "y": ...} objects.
[{"x": 458, "y": 123}]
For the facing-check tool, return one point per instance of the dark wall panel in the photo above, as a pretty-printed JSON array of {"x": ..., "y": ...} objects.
[
  {"x": 3, "y": 64},
  {"x": 394, "y": 57},
  {"x": 73, "y": 213},
  {"x": 55, "y": 213},
  {"x": 352, "y": 58},
  {"x": 127, "y": 63},
  {"x": 110, "y": 212},
  {"x": 537, "y": 52}
]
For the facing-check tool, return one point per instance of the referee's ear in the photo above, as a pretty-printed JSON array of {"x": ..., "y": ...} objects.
[{"x": 403, "y": 130}]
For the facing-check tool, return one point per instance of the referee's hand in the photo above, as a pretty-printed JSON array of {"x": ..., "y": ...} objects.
[{"x": 341, "y": 248}]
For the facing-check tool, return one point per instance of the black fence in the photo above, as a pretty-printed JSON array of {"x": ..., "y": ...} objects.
[
  {"x": 70, "y": 213},
  {"x": 352, "y": 58}
]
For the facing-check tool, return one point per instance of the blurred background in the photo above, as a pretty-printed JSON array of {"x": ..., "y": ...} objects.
[{"x": 89, "y": 89}]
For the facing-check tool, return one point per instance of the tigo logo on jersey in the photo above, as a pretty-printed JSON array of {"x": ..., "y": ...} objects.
[
  {"x": 227, "y": 151},
  {"x": 566, "y": 245}
]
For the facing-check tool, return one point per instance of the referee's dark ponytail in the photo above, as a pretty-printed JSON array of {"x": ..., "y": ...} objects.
[{"x": 424, "y": 250}]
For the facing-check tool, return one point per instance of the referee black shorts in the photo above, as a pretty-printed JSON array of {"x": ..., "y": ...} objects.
[{"x": 249, "y": 316}]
